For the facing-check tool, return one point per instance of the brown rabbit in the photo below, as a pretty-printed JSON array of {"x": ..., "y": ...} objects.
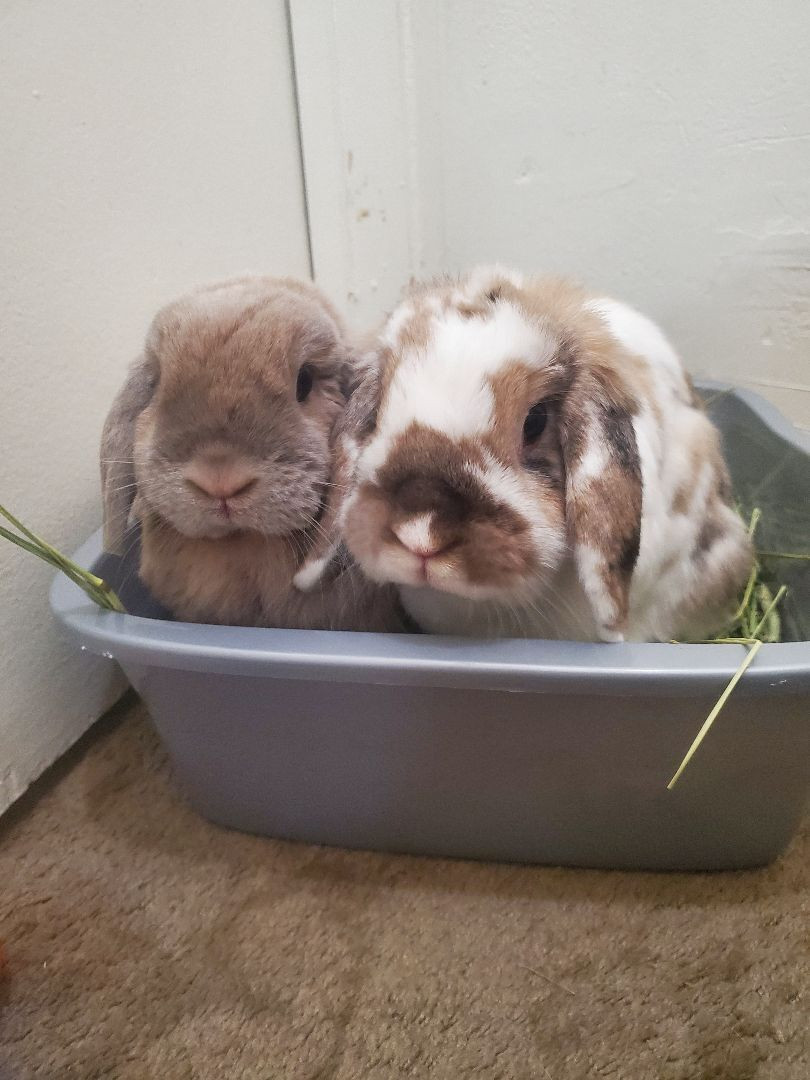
[{"x": 219, "y": 447}]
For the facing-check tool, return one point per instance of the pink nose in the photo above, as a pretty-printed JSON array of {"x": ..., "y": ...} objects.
[
  {"x": 416, "y": 536},
  {"x": 423, "y": 551},
  {"x": 220, "y": 477}
]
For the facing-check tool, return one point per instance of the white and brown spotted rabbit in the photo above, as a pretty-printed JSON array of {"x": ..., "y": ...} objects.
[
  {"x": 219, "y": 446},
  {"x": 523, "y": 458}
]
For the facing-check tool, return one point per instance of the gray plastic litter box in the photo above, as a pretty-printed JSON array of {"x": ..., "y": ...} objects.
[{"x": 519, "y": 750}]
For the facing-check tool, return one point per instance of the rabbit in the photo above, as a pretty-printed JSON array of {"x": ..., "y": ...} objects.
[
  {"x": 525, "y": 459},
  {"x": 218, "y": 447}
]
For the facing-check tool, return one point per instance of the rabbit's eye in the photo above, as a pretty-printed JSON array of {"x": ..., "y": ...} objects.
[
  {"x": 304, "y": 384},
  {"x": 535, "y": 423}
]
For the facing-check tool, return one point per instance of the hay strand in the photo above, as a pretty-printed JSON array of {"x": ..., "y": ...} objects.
[
  {"x": 710, "y": 719},
  {"x": 756, "y": 622},
  {"x": 95, "y": 587}
]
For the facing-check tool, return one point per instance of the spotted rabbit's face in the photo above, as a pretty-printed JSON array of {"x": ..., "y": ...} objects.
[{"x": 458, "y": 474}]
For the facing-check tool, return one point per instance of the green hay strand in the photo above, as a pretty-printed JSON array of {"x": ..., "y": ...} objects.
[
  {"x": 755, "y": 623},
  {"x": 710, "y": 719},
  {"x": 95, "y": 587}
]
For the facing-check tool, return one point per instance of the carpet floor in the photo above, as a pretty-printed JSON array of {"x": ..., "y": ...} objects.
[{"x": 142, "y": 943}]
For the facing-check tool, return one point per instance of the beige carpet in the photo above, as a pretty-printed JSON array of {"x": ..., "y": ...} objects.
[{"x": 142, "y": 942}]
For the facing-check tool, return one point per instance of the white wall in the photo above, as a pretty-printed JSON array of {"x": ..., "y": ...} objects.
[
  {"x": 145, "y": 147},
  {"x": 657, "y": 151}
]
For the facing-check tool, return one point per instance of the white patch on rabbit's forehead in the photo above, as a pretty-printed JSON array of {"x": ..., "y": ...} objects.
[{"x": 445, "y": 385}]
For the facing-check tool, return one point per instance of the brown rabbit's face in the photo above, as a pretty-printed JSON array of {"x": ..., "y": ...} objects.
[{"x": 236, "y": 436}]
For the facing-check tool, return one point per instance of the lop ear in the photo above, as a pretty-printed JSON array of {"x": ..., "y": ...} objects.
[
  {"x": 117, "y": 444},
  {"x": 355, "y": 425},
  {"x": 603, "y": 493}
]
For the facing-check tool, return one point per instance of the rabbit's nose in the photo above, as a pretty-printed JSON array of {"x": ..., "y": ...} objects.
[
  {"x": 221, "y": 478},
  {"x": 418, "y": 537}
]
